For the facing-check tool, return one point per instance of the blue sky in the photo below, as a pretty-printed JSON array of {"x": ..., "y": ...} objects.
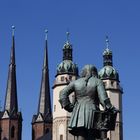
[{"x": 88, "y": 21}]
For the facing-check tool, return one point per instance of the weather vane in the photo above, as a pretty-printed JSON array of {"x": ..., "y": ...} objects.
[
  {"x": 46, "y": 34},
  {"x": 13, "y": 30},
  {"x": 107, "y": 42},
  {"x": 68, "y": 36}
]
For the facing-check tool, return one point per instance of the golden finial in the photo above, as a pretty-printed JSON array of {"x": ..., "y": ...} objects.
[
  {"x": 13, "y": 30},
  {"x": 46, "y": 34},
  {"x": 107, "y": 42},
  {"x": 68, "y": 36}
]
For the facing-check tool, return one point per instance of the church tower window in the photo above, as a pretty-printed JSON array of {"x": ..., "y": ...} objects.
[
  {"x": 33, "y": 134},
  {"x": 54, "y": 108},
  {"x": 61, "y": 137},
  {"x": 47, "y": 130},
  {"x": 0, "y": 132},
  {"x": 12, "y": 132},
  {"x": 62, "y": 78}
]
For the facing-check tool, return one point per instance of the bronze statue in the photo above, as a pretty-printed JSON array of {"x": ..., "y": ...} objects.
[{"x": 86, "y": 121}]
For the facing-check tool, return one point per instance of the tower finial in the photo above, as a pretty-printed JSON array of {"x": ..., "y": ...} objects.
[
  {"x": 107, "y": 42},
  {"x": 13, "y": 30},
  {"x": 68, "y": 35},
  {"x": 46, "y": 34}
]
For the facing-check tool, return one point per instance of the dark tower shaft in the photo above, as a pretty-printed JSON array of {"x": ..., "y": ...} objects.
[
  {"x": 107, "y": 58},
  {"x": 107, "y": 55}
]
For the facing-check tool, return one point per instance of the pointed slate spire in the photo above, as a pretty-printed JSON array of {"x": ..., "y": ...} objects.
[
  {"x": 44, "y": 106},
  {"x": 11, "y": 103}
]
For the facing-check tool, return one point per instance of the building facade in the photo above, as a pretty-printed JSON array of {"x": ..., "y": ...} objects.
[{"x": 52, "y": 124}]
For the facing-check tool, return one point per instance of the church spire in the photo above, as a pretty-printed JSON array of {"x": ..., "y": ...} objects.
[
  {"x": 107, "y": 54},
  {"x": 11, "y": 103},
  {"x": 44, "y": 106}
]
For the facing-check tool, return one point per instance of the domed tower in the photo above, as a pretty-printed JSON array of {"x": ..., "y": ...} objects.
[
  {"x": 110, "y": 78},
  {"x": 66, "y": 71}
]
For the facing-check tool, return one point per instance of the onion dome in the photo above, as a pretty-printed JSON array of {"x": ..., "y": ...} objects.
[
  {"x": 67, "y": 65},
  {"x": 108, "y": 71}
]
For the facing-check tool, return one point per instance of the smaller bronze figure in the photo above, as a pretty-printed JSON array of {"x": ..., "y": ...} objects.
[{"x": 86, "y": 120}]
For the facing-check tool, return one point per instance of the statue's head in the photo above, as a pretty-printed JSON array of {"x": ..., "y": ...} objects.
[{"x": 89, "y": 70}]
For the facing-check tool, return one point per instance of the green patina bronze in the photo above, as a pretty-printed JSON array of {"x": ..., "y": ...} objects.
[
  {"x": 108, "y": 72},
  {"x": 67, "y": 66},
  {"x": 87, "y": 121}
]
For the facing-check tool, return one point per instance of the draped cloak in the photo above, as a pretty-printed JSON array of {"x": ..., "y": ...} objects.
[{"x": 88, "y": 96}]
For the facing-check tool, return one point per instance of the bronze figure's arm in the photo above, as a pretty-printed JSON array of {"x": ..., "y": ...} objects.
[
  {"x": 103, "y": 97},
  {"x": 64, "y": 97}
]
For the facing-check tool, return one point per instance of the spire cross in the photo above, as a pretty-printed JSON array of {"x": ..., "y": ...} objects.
[
  {"x": 13, "y": 30},
  {"x": 46, "y": 34},
  {"x": 107, "y": 42},
  {"x": 68, "y": 36}
]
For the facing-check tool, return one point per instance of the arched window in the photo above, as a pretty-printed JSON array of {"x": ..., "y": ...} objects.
[
  {"x": 62, "y": 78},
  {"x": 12, "y": 132},
  {"x": 0, "y": 132},
  {"x": 33, "y": 134},
  {"x": 61, "y": 137},
  {"x": 112, "y": 82},
  {"x": 61, "y": 132},
  {"x": 47, "y": 130},
  {"x": 54, "y": 108},
  {"x": 104, "y": 83},
  {"x": 5, "y": 138},
  {"x": 70, "y": 77}
]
